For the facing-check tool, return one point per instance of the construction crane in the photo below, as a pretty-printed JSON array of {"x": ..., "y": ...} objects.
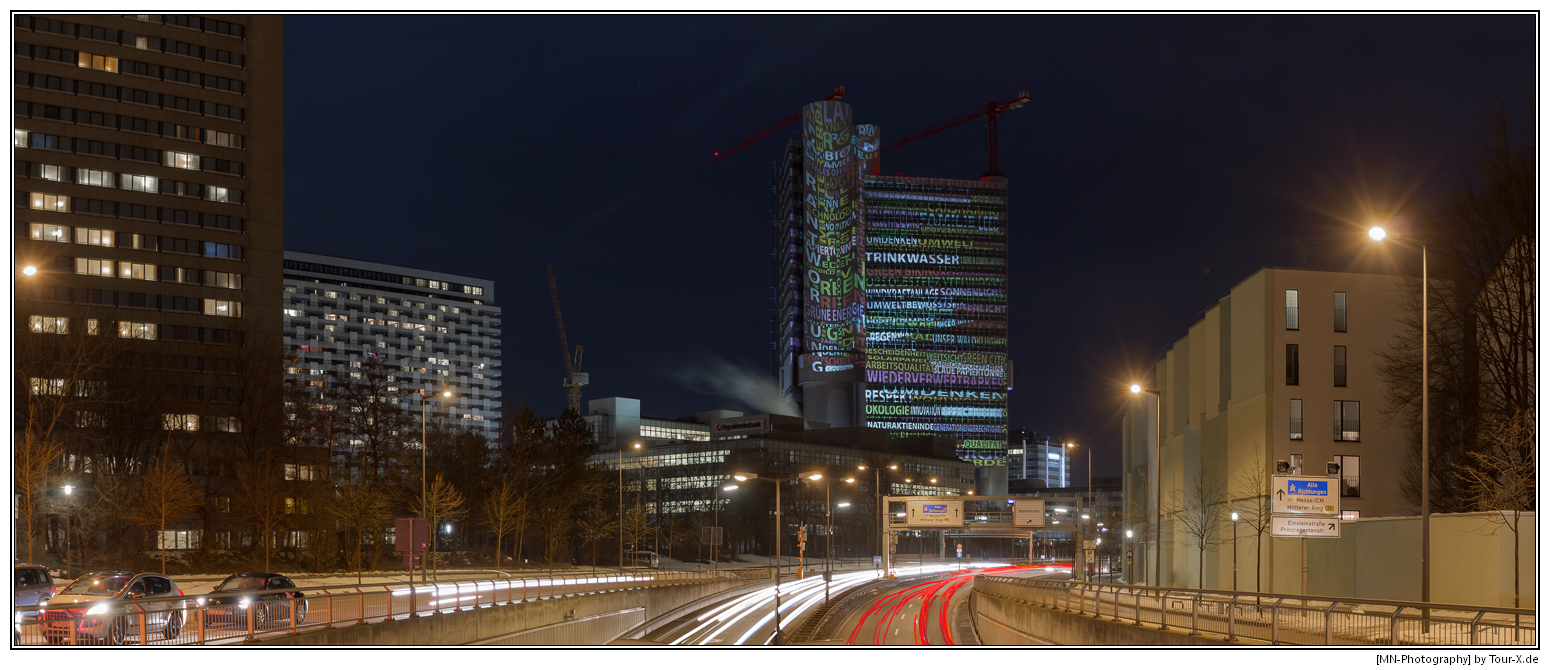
[
  {"x": 839, "y": 92},
  {"x": 991, "y": 109},
  {"x": 574, "y": 377}
]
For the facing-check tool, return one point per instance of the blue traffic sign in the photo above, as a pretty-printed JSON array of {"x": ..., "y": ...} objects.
[{"x": 1307, "y": 487}]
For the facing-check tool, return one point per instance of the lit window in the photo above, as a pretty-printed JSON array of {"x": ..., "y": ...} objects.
[
  {"x": 223, "y": 194},
  {"x": 98, "y": 267},
  {"x": 128, "y": 270},
  {"x": 295, "y": 505},
  {"x": 94, "y": 236},
  {"x": 229, "y": 308},
  {"x": 48, "y": 172},
  {"x": 222, "y": 139},
  {"x": 1350, "y": 476},
  {"x": 95, "y": 62},
  {"x": 188, "y": 422},
  {"x": 50, "y": 202},
  {"x": 1291, "y": 309},
  {"x": 137, "y": 331},
  {"x": 91, "y": 327},
  {"x": 1350, "y": 514},
  {"x": 47, "y": 386},
  {"x": 180, "y": 159},
  {"x": 20, "y": 137},
  {"x": 54, "y": 325},
  {"x": 49, "y": 232},
  {"x": 137, "y": 182},
  {"x": 293, "y": 312},
  {"x": 94, "y": 177}
]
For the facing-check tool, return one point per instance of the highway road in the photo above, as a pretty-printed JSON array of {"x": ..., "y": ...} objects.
[{"x": 749, "y": 618}]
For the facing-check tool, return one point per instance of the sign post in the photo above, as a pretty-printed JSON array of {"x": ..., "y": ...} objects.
[
  {"x": 1302, "y": 506},
  {"x": 411, "y": 536}
]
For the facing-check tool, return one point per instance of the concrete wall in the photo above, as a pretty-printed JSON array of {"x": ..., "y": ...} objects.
[
  {"x": 470, "y": 626},
  {"x": 1002, "y": 621},
  {"x": 1381, "y": 559}
]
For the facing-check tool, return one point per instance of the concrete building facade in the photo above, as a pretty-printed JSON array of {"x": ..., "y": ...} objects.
[
  {"x": 440, "y": 330},
  {"x": 1283, "y": 368},
  {"x": 1034, "y": 459}
]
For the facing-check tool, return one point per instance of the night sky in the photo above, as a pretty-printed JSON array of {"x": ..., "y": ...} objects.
[{"x": 1163, "y": 159}]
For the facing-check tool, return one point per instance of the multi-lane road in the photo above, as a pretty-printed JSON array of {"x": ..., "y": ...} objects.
[{"x": 920, "y": 610}]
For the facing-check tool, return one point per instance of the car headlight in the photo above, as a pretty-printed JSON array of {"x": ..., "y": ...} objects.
[
  {"x": 244, "y": 603},
  {"x": 98, "y": 609}
]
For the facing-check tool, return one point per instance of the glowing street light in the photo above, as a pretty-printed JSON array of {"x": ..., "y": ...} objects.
[
  {"x": 1153, "y": 488},
  {"x": 1377, "y": 233},
  {"x": 30, "y": 270}
]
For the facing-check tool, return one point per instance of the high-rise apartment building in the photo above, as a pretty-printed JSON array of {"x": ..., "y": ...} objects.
[
  {"x": 149, "y": 200},
  {"x": 438, "y": 331},
  {"x": 1040, "y": 461},
  {"x": 889, "y": 293}
]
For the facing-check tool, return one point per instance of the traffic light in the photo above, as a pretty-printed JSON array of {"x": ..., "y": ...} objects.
[
  {"x": 1282, "y": 467},
  {"x": 1332, "y": 468}
]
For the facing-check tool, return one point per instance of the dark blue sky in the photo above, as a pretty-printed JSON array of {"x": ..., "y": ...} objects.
[{"x": 1163, "y": 159}]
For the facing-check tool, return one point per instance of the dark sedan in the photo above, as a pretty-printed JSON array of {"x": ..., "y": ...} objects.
[{"x": 268, "y": 596}]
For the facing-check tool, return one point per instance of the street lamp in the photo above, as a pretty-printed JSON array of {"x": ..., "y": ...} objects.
[
  {"x": 828, "y": 530},
  {"x": 424, "y": 493},
  {"x": 1090, "y": 508},
  {"x": 1235, "y": 551},
  {"x": 715, "y": 522},
  {"x": 1378, "y": 234},
  {"x": 877, "y": 493},
  {"x": 620, "y": 465},
  {"x": 68, "y": 491},
  {"x": 780, "y": 637},
  {"x": 1129, "y": 562},
  {"x": 1155, "y": 486},
  {"x": 30, "y": 270}
]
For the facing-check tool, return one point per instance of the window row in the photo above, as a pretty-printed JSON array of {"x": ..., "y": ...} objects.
[
  {"x": 124, "y": 37},
  {"x": 358, "y": 273},
  {"x": 53, "y": 202},
  {"x": 193, "y": 422},
  {"x": 149, "y": 301},
  {"x": 1293, "y": 317},
  {"x": 38, "y": 110},
  {"x": 108, "y": 238},
  {"x": 183, "y": 362},
  {"x": 61, "y": 233},
  {"x": 1294, "y": 365},
  {"x": 27, "y": 139},
  {"x": 98, "y": 267},
  {"x": 104, "y": 178},
  {"x": 115, "y": 65},
  {"x": 125, "y": 94},
  {"x": 1347, "y": 415},
  {"x": 141, "y": 330},
  {"x": 129, "y": 39}
]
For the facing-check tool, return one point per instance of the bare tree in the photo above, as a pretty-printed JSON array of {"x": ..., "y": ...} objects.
[
  {"x": 359, "y": 509},
  {"x": 505, "y": 512},
  {"x": 166, "y": 496},
  {"x": 1139, "y": 521},
  {"x": 442, "y": 503},
  {"x": 262, "y": 491},
  {"x": 1198, "y": 510},
  {"x": 36, "y": 469},
  {"x": 1502, "y": 480},
  {"x": 637, "y": 525},
  {"x": 597, "y": 523},
  {"x": 1252, "y": 502},
  {"x": 1481, "y": 316}
]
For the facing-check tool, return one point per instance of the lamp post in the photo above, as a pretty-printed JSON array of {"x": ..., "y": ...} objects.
[
  {"x": 425, "y": 502},
  {"x": 1156, "y": 487},
  {"x": 1234, "y": 551},
  {"x": 1129, "y": 562},
  {"x": 68, "y": 499},
  {"x": 1377, "y": 234},
  {"x": 828, "y": 536},
  {"x": 620, "y": 465},
  {"x": 877, "y": 494},
  {"x": 780, "y": 637},
  {"x": 715, "y": 522},
  {"x": 1082, "y": 528}
]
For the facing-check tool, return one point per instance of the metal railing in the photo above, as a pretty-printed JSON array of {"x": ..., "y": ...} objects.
[
  {"x": 1274, "y": 617},
  {"x": 193, "y": 620}
]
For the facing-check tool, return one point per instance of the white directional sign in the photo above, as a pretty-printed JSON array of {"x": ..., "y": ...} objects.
[
  {"x": 1027, "y": 513},
  {"x": 1314, "y": 496},
  {"x": 1304, "y": 526},
  {"x": 934, "y": 512}
]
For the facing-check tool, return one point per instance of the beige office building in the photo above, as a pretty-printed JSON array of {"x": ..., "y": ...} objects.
[{"x": 1283, "y": 368}]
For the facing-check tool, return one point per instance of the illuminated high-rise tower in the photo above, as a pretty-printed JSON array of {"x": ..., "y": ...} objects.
[{"x": 890, "y": 293}]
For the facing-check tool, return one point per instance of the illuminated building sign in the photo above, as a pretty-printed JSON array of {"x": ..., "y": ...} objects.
[
  {"x": 833, "y": 297},
  {"x": 936, "y": 311}
]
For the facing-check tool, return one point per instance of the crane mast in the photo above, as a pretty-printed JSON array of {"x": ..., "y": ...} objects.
[{"x": 574, "y": 377}]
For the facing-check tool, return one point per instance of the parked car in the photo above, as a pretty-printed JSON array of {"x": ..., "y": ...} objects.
[
  {"x": 108, "y": 611},
  {"x": 230, "y": 602},
  {"x": 642, "y": 558},
  {"x": 33, "y": 585}
]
